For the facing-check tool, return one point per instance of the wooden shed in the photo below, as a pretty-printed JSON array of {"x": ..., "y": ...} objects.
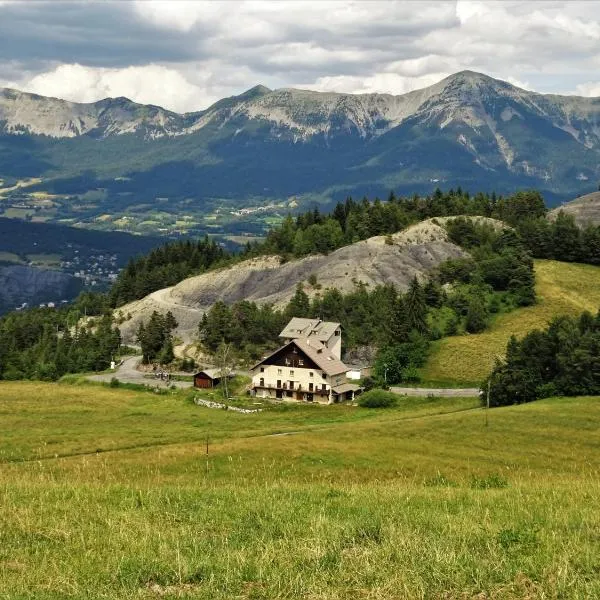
[{"x": 207, "y": 378}]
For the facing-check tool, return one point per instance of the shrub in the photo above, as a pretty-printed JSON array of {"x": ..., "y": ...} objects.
[
  {"x": 377, "y": 398},
  {"x": 114, "y": 382}
]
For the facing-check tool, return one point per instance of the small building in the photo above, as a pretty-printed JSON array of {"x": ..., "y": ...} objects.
[
  {"x": 208, "y": 378},
  {"x": 346, "y": 392}
]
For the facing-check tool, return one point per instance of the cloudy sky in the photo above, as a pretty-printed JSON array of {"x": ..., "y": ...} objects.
[{"x": 184, "y": 55}]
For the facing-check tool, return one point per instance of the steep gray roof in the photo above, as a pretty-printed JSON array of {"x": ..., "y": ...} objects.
[
  {"x": 309, "y": 328},
  {"x": 319, "y": 354}
]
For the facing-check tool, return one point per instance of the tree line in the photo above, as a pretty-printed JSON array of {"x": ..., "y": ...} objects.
[
  {"x": 460, "y": 296},
  {"x": 352, "y": 221},
  {"x": 165, "y": 266},
  {"x": 46, "y": 343},
  {"x": 563, "y": 359}
]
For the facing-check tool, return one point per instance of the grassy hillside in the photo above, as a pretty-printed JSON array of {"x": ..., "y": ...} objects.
[
  {"x": 562, "y": 289},
  {"x": 420, "y": 501}
]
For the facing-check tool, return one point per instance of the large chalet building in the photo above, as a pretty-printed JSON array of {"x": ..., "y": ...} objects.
[{"x": 307, "y": 367}]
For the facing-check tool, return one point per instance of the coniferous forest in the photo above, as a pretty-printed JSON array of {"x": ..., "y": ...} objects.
[{"x": 462, "y": 296}]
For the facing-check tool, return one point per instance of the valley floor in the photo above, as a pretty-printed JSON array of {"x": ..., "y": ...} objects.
[{"x": 121, "y": 494}]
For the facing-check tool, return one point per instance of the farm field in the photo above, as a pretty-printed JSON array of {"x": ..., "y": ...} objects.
[
  {"x": 109, "y": 493},
  {"x": 562, "y": 289}
]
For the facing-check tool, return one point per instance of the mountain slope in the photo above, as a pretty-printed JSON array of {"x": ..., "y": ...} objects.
[
  {"x": 468, "y": 129},
  {"x": 414, "y": 252},
  {"x": 585, "y": 210},
  {"x": 561, "y": 289}
]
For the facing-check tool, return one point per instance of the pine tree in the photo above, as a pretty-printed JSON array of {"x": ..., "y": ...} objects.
[
  {"x": 476, "y": 316},
  {"x": 299, "y": 305},
  {"x": 416, "y": 307}
]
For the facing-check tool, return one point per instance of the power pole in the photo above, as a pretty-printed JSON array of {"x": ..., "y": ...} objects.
[{"x": 487, "y": 402}]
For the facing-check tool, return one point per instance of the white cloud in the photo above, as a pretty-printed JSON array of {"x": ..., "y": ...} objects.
[
  {"x": 589, "y": 88},
  {"x": 382, "y": 83},
  {"x": 150, "y": 84},
  {"x": 344, "y": 45},
  {"x": 174, "y": 14}
]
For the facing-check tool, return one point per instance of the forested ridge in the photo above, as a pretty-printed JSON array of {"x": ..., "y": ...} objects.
[
  {"x": 352, "y": 221},
  {"x": 461, "y": 296}
]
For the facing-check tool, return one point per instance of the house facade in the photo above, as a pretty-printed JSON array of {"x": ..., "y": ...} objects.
[{"x": 305, "y": 368}]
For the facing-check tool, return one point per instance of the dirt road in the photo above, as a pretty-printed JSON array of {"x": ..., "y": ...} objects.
[{"x": 128, "y": 373}]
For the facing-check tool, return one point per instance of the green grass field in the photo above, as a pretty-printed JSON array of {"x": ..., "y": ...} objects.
[
  {"x": 110, "y": 494},
  {"x": 562, "y": 289}
]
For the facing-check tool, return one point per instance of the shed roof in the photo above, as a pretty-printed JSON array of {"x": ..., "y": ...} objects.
[
  {"x": 210, "y": 373},
  {"x": 346, "y": 387}
]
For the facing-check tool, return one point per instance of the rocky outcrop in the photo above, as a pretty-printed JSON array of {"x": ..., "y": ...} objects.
[
  {"x": 378, "y": 260},
  {"x": 19, "y": 284},
  {"x": 585, "y": 210}
]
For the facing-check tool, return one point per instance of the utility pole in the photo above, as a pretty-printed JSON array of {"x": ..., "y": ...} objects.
[
  {"x": 487, "y": 402},
  {"x": 207, "y": 455}
]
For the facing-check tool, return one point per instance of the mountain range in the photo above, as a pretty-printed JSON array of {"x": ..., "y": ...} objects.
[{"x": 267, "y": 145}]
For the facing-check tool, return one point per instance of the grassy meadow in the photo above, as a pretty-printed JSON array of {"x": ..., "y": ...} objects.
[
  {"x": 562, "y": 289},
  {"x": 110, "y": 493}
]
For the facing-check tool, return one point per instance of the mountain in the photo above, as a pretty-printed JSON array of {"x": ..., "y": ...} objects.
[
  {"x": 585, "y": 210},
  {"x": 268, "y": 146},
  {"x": 376, "y": 261},
  {"x": 22, "y": 284}
]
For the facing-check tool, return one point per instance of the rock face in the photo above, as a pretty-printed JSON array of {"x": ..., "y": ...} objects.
[
  {"x": 23, "y": 113},
  {"x": 585, "y": 210},
  {"x": 20, "y": 284},
  {"x": 464, "y": 98},
  {"x": 468, "y": 129},
  {"x": 413, "y": 252}
]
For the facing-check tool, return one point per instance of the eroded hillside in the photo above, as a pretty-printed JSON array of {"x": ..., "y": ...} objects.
[
  {"x": 585, "y": 210},
  {"x": 378, "y": 260}
]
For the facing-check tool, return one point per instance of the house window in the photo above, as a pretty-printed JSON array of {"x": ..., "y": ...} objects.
[
  {"x": 262, "y": 369},
  {"x": 300, "y": 362},
  {"x": 324, "y": 387},
  {"x": 279, "y": 371},
  {"x": 289, "y": 394},
  {"x": 310, "y": 386},
  {"x": 291, "y": 373},
  {"x": 311, "y": 374},
  {"x": 262, "y": 382},
  {"x": 337, "y": 332},
  {"x": 324, "y": 376}
]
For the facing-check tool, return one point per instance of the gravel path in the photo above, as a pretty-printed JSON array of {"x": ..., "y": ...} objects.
[
  {"x": 439, "y": 392},
  {"x": 128, "y": 373}
]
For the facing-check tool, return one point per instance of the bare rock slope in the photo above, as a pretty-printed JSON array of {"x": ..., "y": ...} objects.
[
  {"x": 375, "y": 261},
  {"x": 585, "y": 210}
]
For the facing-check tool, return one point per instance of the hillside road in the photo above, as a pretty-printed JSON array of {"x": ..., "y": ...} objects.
[{"x": 128, "y": 373}]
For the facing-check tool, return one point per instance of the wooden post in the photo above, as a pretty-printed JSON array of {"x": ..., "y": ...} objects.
[
  {"x": 487, "y": 402},
  {"x": 207, "y": 455}
]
